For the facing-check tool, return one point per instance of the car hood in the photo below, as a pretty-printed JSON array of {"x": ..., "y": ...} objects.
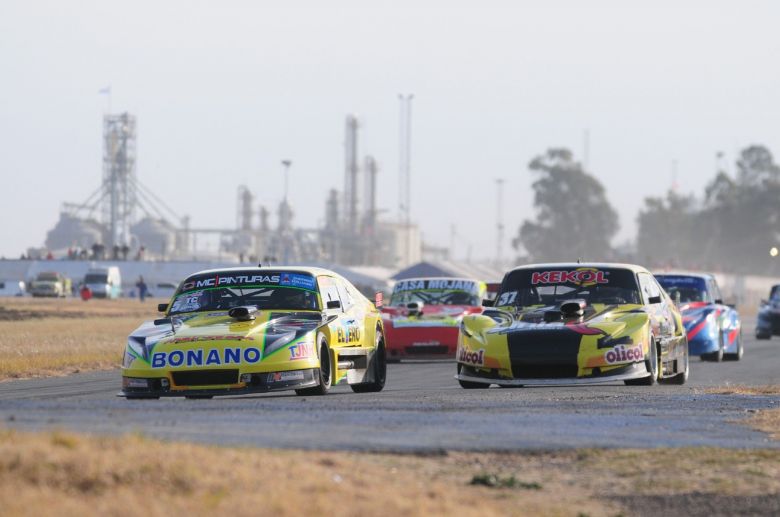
[
  {"x": 432, "y": 316},
  {"x": 269, "y": 331},
  {"x": 598, "y": 319},
  {"x": 695, "y": 313}
]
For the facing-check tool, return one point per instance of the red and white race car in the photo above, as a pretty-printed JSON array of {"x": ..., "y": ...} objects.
[{"x": 424, "y": 314}]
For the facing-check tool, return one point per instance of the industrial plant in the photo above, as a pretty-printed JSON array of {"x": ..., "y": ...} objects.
[{"x": 125, "y": 220}]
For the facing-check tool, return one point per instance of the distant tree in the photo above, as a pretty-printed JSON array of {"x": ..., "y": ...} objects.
[
  {"x": 732, "y": 230},
  {"x": 756, "y": 167},
  {"x": 573, "y": 216},
  {"x": 665, "y": 226}
]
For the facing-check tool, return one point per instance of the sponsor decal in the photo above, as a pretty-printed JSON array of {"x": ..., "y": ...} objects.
[
  {"x": 201, "y": 357},
  {"x": 220, "y": 281},
  {"x": 624, "y": 354},
  {"x": 583, "y": 276},
  {"x": 349, "y": 334},
  {"x": 297, "y": 280},
  {"x": 476, "y": 358},
  {"x": 436, "y": 283},
  {"x": 285, "y": 376},
  {"x": 426, "y": 343},
  {"x": 187, "y": 302},
  {"x": 301, "y": 351}
]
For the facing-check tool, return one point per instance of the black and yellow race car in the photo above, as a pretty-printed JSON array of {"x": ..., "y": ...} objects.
[
  {"x": 245, "y": 330},
  {"x": 574, "y": 324}
]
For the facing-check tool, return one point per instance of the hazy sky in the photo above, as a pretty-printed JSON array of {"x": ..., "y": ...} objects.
[{"x": 224, "y": 90}]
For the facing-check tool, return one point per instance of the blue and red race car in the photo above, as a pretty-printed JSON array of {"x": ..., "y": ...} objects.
[{"x": 714, "y": 328}]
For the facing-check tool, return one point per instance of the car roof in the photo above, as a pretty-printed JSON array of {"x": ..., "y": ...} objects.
[
  {"x": 314, "y": 271},
  {"x": 683, "y": 273},
  {"x": 575, "y": 265},
  {"x": 420, "y": 278}
]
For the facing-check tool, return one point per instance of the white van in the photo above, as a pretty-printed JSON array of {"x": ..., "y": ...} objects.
[
  {"x": 12, "y": 288},
  {"x": 104, "y": 282}
]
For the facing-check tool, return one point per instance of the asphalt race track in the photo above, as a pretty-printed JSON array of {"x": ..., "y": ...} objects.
[{"x": 421, "y": 409}]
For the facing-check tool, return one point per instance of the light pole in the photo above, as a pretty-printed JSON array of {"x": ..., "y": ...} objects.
[
  {"x": 500, "y": 221},
  {"x": 286, "y": 164}
]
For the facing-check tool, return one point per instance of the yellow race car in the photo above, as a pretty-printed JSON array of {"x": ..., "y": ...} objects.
[
  {"x": 574, "y": 324},
  {"x": 245, "y": 330}
]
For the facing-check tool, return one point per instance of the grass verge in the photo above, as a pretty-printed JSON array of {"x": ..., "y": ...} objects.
[
  {"x": 44, "y": 337},
  {"x": 84, "y": 475},
  {"x": 767, "y": 420}
]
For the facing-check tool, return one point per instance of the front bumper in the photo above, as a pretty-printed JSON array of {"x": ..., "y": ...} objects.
[
  {"x": 421, "y": 342},
  {"x": 258, "y": 383},
  {"x": 628, "y": 372},
  {"x": 768, "y": 323}
]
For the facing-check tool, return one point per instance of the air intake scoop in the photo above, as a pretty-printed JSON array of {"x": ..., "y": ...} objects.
[{"x": 573, "y": 308}]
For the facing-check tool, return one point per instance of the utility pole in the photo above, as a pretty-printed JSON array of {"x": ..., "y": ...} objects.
[
  {"x": 286, "y": 164},
  {"x": 404, "y": 168},
  {"x": 499, "y": 221}
]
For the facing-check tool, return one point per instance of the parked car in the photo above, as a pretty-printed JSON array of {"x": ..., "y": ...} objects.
[
  {"x": 104, "y": 282},
  {"x": 50, "y": 284}
]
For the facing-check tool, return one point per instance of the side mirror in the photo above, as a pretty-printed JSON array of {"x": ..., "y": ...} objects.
[
  {"x": 488, "y": 303},
  {"x": 162, "y": 307},
  {"x": 764, "y": 302},
  {"x": 654, "y": 299},
  {"x": 334, "y": 304},
  {"x": 733, "y": 305},
  {"x": 719, "y": 301},
  {"x": 162, "y": 321}
]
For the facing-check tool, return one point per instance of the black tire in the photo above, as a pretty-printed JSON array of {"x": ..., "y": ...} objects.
[
  {"x": 378, "y": 367},
  {"x": 763, "y": 336},
  {"x": 682, "y": 377},
  {"x": 324, "y": 372},
  {"x": 468, "y": 385},
  {"x": 651, "y": 364},
  {"x": 739, "y": 353}
]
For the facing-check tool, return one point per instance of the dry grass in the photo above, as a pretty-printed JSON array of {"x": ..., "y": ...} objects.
[
  {"x": 42, "y": 337},
  {"x": 739, "y": 389},
  {"x": 81, "y": 475},
  {"x": 767, "y": 420}
]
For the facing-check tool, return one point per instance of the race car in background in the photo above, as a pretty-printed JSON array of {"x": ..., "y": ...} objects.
[
  {"x": 244, "y": 330},
  {"x": 423, "y": 316},
  {"x": 555, "y": 324},
  {"x": 714, "y": 329},
  {"x": 768, "y": 323}
]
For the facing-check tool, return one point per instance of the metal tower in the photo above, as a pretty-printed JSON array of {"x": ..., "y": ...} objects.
[
  {"x": 351, "y": 192},
  {"x": 119, "y": 181}
]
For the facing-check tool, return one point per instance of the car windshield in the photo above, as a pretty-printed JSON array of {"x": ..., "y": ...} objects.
[
  {"x": 96, "y": 278},
  {"x": 48, "y": 277},
  {"x": 442, "y": 291},
  {"x": 265, "y": 290},
  {"x": 550, "y": 286},
  {"x": 684, "y": 289}
]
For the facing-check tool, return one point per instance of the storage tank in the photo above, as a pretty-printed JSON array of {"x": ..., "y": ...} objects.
[
  {"x": 157, "y": 236},
  {"x": 71, "y": 231}
]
